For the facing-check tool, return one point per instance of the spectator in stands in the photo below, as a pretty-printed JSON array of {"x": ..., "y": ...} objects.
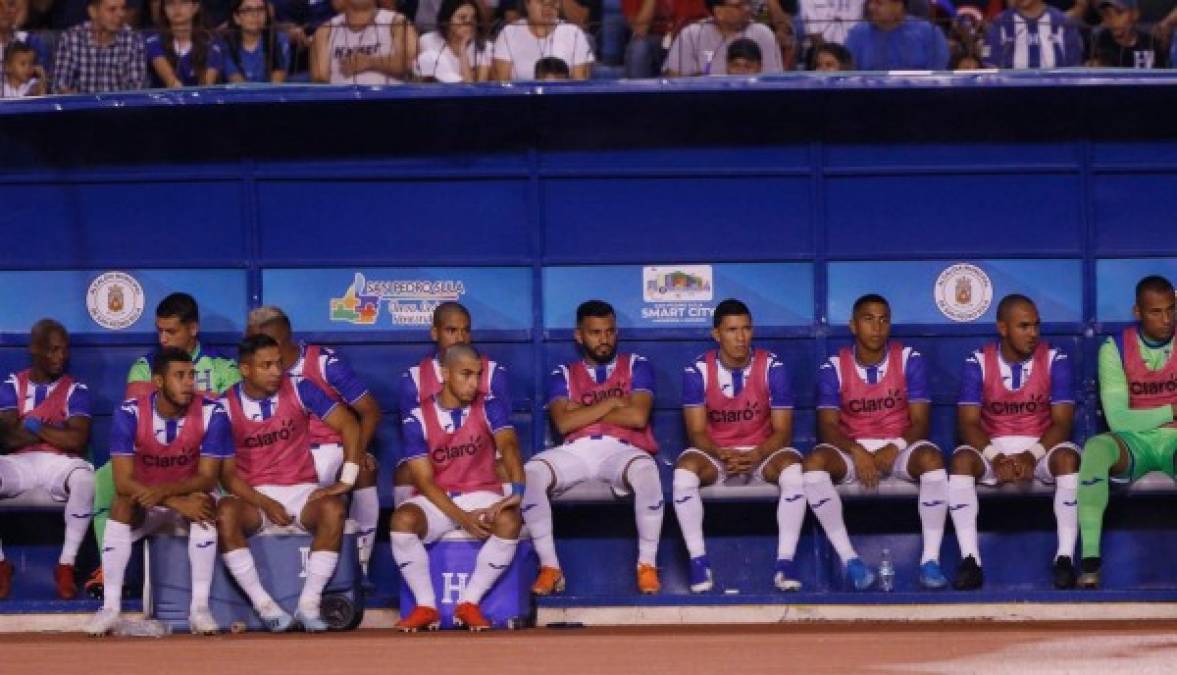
[
  {"x": 552, "y": 68},
  {"x": 585, "y": 15},
  {"x": 364, "y": 45},
  {"x": 652, "y": 23},
  {"x": 830, "y": 20},
  {"x": 10, "y": 33},
  {"x": 183, "y": 53},
  {"x": 1013, "y": 417},
  {"x": 966, "y": 39},
  {"x": 458, "y": 50},
  {"x": 1032, "y": 35},
  {"x": 743, "y": 58},
  {"x": 1120, "y": 44},
  {"x": 738, "y": 411},
  {"x": 1137, "y": 369},
  {"x": 253, "y": 52},
  {"x": 65, "y": 14},
  {"x": 22, "y": 77},
  {"x": 873, "y": 418},
  {"x": 830, "y": 57},
  {"x": 48, "y": 415},
  {"x": 963, "y": 60},
  {"x": 541, "y": 34},
  {"x": 701, "y": 48},
  {"x": 102, "y": 54},
  {"x": 299, "y": 19},
  {"x": 892, "y": 40}
]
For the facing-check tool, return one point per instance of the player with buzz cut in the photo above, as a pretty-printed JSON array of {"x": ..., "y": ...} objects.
[
  {"x": 872, "y": 421},
  {"x": 47, "y": 415},
  {"x": 601, "y": 405},
  {"x": 331, "y": 373},
  {"x": 1138, "y": 390},
  {"x": 177, "y": 324},
  {"x": 451, "y": 326},
  {"x": 272, "y": 479},
  {"x": 1014, "y": 417},
  {"x": 450, "y": 447},
  {"x": 166, "y": 450},
  {"x": 738, "y": 410}
]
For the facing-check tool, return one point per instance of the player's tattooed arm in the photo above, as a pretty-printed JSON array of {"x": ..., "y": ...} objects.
[{"x": 345, "y": 424}]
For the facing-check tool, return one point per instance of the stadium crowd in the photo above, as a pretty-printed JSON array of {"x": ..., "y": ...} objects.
[{"x": 91, "y": 46}]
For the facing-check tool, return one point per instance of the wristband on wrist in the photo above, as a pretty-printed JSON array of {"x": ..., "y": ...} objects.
[
  {"x": 518, "y": 489},
  {"x": 349, "y": 473},
  {"x": 33, "y": 424}
]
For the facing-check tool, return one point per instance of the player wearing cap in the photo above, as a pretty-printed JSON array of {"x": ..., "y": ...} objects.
[
  {"x": 47, "y": 415},
  {"x": 1014, "y": 415},
  {"x": 331, "y": 373},
  {"x": 166, "y": 450},
  {"x": 450, "y": 447},
  {"x": 872, "y": 421},
  {"x": 272, "y": 478},
  {"x": 738, "y": 410},
  {"x": 601, "y": 405},
  {"x": 1138, "y": 391}
]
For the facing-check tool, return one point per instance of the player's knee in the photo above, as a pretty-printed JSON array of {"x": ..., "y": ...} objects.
[
  {"x": 928, "y": 458},
  {"x": 818, "y": 460},
  {"x": 539, "y": 475},
  {"x": 690, "y": 461},
  {"x": 642, "y": 469},
  {"x": 122, "y": 509},
  {"x": 228, "y": 514},
  {"x": 405, "y": 519},
  {"x": 81, "y": 479},
  {"x": 331, "y": 511},
  {"x": 509, "y": 522},
  {"x": 1063, "y": 461},
  {"x": 964, "y": 463}
]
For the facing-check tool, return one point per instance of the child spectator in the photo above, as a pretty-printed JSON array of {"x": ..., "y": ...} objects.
[
  {"x": 541, "y": 34},
  {"x": 22, "y": 77},
  {"x": 1120, "y": 44},
  {"x": 102, "y": 54},
  {"x": 701, "y": 48},
  {"x": 551, "y": 68},
  {"x": 10, "y": 16},
  {"x": 183, "y": 53},
  {"x": 457, "y": 51},
  {"x": 252, "y": 51},
  {"x": 830, "y": 57},
  {"x": 743, "y": 57}
]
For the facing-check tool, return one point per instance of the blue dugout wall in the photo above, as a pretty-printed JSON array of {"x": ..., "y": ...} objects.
[{"x": 356, "y": 208}]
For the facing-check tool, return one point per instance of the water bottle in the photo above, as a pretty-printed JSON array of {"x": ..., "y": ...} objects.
[
  {"x": 142, "y": 628},
  {"x": 886, "y": 572}
]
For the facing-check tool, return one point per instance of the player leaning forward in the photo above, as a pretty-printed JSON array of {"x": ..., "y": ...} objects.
[
  {"x": 166, "y": 449},
  {"x": 272, "y": 477},
  {"x": 738, "y": 410},
  {"x": 450, "y": 446}
]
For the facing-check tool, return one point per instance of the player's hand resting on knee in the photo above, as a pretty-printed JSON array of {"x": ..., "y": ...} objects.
[
  {"x": 885, "y": 458},
  {"x": 1024, "y": 466},
  {"x": 864, "y": 464},
  {"x": 195, "y": 508},
  {"x": 275, "y": 512},
  {"x": 150, "y": 498},
  {"x": 477, "y": 524},
  {"x": 1004, "y": 468}
]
